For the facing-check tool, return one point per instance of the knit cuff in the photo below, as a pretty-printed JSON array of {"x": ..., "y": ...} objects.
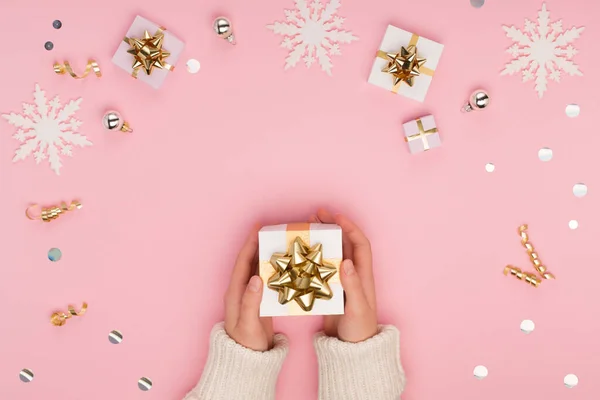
[
  {"x": 368, "y": 370},
  {"x": 233, "y": 371}
]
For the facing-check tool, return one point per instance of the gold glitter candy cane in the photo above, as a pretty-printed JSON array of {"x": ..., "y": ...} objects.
[
  {"x": 524, "y": 276},
  {"x": 60, "y": 318},
  {"x": 51, "y": 213},
  {"x": 533, "y": 255},
  {"x": 62, "y": 69}
]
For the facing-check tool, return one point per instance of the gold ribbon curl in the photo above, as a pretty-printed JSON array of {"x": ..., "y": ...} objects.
[
  {"x": 51, "y": 213},
  {"x": 64, "y": 68},
  {"x": 301, "y": 275},
  {"x": 148, "y": 52},
  {"x": 405, "y": 65},
  {"x": 533, "y": 255},
  {"x": 529, "y": 277},
  {"x": 60, "y": 318}
]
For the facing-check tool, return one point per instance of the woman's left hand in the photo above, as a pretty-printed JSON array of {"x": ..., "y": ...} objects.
[{"x": 242, "y": 301}]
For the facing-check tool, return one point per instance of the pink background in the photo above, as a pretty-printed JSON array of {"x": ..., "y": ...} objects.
[{"x": 167, "y": 207}]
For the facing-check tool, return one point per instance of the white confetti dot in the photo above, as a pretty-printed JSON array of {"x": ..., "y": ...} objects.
[
  {"x": 489, "y": 167},
  {"x": 572, "y": 110},
  {"x": 545, "y": 154},
  {"x": 527, "y": 326},
  {"x": 193, "y": 65},
  {"x": 571, "y": 381},
  {"x": 573, "y": 224},
  {"x": 480, "y": 372},
  {"x": 580, "y": 190}
]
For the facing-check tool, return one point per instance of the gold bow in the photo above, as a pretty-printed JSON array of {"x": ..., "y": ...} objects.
[
  {"x": 421, "y": 135},
  {"x": 405, "y": 65},
  {"x": 301, "y": 275},
  {"x": 148, "y": 52}
]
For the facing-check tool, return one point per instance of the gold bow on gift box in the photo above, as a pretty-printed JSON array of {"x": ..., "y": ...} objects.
[
  {"x": 405, "y": 65},
  {"x": 148, "y": 52},
  {"x": 301, "y": 275}
]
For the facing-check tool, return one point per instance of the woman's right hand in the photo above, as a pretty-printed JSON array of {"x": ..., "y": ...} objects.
[{"x": 359, "y": 321}]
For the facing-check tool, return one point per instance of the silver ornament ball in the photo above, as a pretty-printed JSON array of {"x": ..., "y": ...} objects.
[
  {"x": 480, "y": 100},
  {"x": 223, "y": 28},
  {"x": 112, "y": 121}
]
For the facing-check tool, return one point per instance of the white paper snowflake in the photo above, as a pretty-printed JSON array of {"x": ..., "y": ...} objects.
[
  {"x": 312, "y": 33},
  {"x": 47, "y": 130},
  {"x": 541, "y": 51}
]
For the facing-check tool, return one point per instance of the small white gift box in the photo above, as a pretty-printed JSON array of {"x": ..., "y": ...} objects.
[
  {"x": 316, "y": 263},
  {"x": 170, "y": 43},
  {"x": 393, "y": 41}
]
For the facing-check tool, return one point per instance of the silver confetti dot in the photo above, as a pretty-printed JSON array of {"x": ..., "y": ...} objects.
[
  {"x": 145, "y": 384},
  {"x": 48, "y": 45},
  {"x": 26, "y": 375},
  {"x": 57, "y": 24},
  {"x": 115, "y": 337},
  {"x": 54, "y": 254}
]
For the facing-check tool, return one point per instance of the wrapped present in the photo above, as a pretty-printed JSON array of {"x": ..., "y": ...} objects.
[
  {"x": 299, "y": 265},
  {"x": 148, "y": 52},
  {"x": 421, "y": 134},
  {"x": 405, "y": 63}
]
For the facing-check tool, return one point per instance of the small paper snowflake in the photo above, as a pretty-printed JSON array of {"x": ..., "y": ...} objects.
[
  {"x": 542, "y": 50},
  {"x": 47, "y": 130},
  {"x": 312, "y": 33}
]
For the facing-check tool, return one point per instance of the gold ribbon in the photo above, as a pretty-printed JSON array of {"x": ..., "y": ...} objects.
[
  {"x": 405, "y": 65},
  {"x": 529, "y": 277},
  {"x": 148, "y": 52},
  {"x": 533, "y": 255},
  {"x": 60, "y": 318},
  {"x": 302, "y": 274},
  {"x": 523, "y": 276},
  {"x": 421, "y": 135},
  {"x": 51, "y": 213},
  {"x": 64, "y": 68}
]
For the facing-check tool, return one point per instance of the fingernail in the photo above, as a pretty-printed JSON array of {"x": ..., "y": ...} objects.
[
  {"x": 254, "y": 284},
  {"x": 348, "y": 267}
]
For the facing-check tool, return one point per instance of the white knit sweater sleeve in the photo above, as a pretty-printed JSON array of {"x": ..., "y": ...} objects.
[
  {"x": 369, "y": 370},
  {"x": 236, "y": 372}
]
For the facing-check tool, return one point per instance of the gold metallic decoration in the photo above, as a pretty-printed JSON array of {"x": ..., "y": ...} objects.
[
  {"x": 533, "y": 255},
  {"x": 422, "y": 135},
  {"x": 60, "y": 318},
  {"x": 301, "y": 275},
  {"x": 51, "y": 213},
  {"x": 64, "y": 68},
  {"x": 524, "y": 276},
  {"x": 148, "y": 52},
  {"x": 405, "y": 65}
]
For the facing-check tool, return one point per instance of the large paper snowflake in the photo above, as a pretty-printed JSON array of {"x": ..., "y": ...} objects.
[
  {"x": 312, "y": 33},
  {"x": 47, "y": 130},
  {"x": 541, "y": 51}
]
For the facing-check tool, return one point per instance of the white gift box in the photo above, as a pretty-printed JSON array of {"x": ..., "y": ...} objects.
[
  {"x": 171, "y": 44},
  {"x": 393, "y": 40},
  {"x": 277, "y": 239}
]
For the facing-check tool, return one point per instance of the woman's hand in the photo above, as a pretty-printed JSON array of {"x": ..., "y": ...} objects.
[
  {"x": 360, "y": 319},
  {"x": 242, "y": 301}
]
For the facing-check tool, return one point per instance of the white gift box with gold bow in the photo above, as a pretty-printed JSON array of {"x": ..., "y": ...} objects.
[
  {"x": 317, "y": 263},
  {"x": 170, "y": 45},
  {"x": 393, "y": 42}
]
